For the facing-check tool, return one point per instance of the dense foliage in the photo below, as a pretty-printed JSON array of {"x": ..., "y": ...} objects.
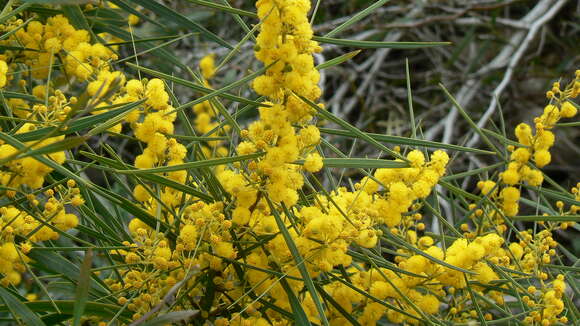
[{"x": 121, "y": 205}]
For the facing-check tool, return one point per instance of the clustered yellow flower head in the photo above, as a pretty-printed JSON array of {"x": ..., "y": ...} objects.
[
  {"x": 536, "y": 146},
  {"x": 285, "y": 43},
  {"x": 48, "y": 106},
  {"x": 532, "y": 148},
  {"x": 205, "y": 122},
  {"x": 16, "y": 222},
  {"x": 28, "y": 170},
  {"x": 82, "y": 58}
]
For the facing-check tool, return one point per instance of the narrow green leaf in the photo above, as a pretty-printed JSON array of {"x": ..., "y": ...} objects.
[
  {"x": 299, "y": 260},
  {"x": 338, "y": 60},
  {"x": 355, "y": 131},
  {"x": 240, "y": 21},
  {"x": 14, "y": 30},
  {"x": 55, "y": 263},
  {"x": 197, "y": 138},
  {"x": 224, "y": 8},
  {"x": 142, "y": 40},
  {"x": 79, "y": 124},
  {"x": 67, "y": 308},
  {"x": 236, "y": 49},
  {"x": 501, "y": 138},
  {"x": 531, "y": 218},
  {"x": 26, "y": 97},
  {"x": 160, "y": 180},
  {"x": 224, "y": 89},
  {"x": 300, "y": 317},
  {"x": 482, "y": 320},
  {"x": 192, "y": 165},
  {"x": 17, "y": 48},
  {"x": 564, "y": 268},
  {"x": 82, "y": 291},
  {"x": 360, "y": 15},
  {"x": 472, "y": 124},
  {"x": 568, "y": 124},
  {"x": 128, "y": 8},
  {"x": 361, "y": 163},
  {"x": 376, "y": 44},
  {"x": 192, "y": 85},
  {"x": 14, "y": 12},
  {"x": 19, "y": 309},
  {"x": 167, "y": 57},
  {"x": 472, "y": 172},
  {"x": 111, "y": 122},
  {"x": 406, "y": 141},
  {"x": 154, "y": 48},
  {"x": 458, "y": 191},
  {"x": 59, "y": 146},
  {"x": 75, "y": 16},
  {"x": 172, "y": 16},
  {"x": 563, "y": 196}
]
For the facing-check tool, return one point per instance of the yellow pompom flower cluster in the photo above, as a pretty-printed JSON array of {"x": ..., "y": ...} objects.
[
  {"x": 153, "y": 124},
  {"x": 536, "y": 146},
  {"x": 203, "y": 242},
  {"x": 3, "y": 71},
  {"x": 326, "y": 230},
  {"x": 204, "y": 225},
  {"x": 57, "y": 110},
  {"x": 11, "y": 266},
  {"x": 549, "y": 300},
  {"x": 536, "y": 250},
  {"x": 82, "y": 59},
  {"x": 323, "y": 234},
  {"x": 285, "y": 46},
  {"x": 156, "y": 130},
  {"x": 16, "y": 222},
  {"x": 104, "y": 84},
  {"x": 425, "y": 282},
  {"x": 27, "y": 170},
  {"x": 386, "y": 285},
  {"x": 152, "y": 272},
  {"x": 52, "y": 38},
  {"x": 508, "y": 199},
  {"x": 242, "y": 191},
  {"x": 86, "y": 60},
  {"x": 285, "y": 43},
  {"x": 205, "y": 113},
  {"x": 405, "y": 185},
  {"x": 207, "y": 66},
  {"x": 471, "y": 256}
]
